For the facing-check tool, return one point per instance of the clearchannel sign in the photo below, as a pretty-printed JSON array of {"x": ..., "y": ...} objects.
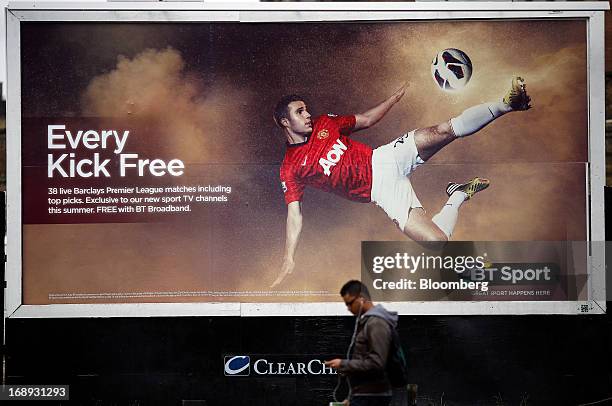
[{"x": 276, "y": 365}]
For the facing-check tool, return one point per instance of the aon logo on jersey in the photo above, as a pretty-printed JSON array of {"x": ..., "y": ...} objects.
[{"x": 333, "y": 157}]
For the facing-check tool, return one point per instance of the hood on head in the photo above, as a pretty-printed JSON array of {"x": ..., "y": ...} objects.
[{"x": 379, "y": 311}]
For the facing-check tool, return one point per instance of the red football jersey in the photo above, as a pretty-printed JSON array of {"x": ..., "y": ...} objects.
[{"x": 328, "y": 160}]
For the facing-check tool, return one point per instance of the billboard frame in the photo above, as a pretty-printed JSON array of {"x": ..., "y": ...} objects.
[{"x": 592, "y": 12}]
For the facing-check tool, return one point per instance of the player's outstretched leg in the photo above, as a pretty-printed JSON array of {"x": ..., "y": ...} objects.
[
  {"x": 475, "y": 118},
  {"x": 420, "y": 228},
  {"x": 430, "y": 140},
  {"x": 457, "y": 193}
]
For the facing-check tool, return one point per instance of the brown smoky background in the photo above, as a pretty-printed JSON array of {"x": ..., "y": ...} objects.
[{"x": 204, "y": 93}]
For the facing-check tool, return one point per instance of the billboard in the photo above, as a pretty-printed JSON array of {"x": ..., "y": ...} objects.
[{"x": 150, "y": 174}]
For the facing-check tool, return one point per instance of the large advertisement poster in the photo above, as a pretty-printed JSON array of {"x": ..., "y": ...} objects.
[{"x": 153, "y": 169}]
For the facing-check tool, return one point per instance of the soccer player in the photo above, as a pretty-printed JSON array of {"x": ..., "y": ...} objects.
[{"x": 321, "y": 154}]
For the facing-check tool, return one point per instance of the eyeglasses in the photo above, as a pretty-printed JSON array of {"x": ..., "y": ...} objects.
[{"x": 349, "y": 304}]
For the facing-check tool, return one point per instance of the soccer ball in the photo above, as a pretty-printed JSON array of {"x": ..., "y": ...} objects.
[{"x": 451, "y": 69}]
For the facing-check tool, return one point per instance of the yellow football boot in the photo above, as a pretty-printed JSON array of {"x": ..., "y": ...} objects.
[
  {"x": 517, "y": 97},
  {"x": 470, "y": 188}
]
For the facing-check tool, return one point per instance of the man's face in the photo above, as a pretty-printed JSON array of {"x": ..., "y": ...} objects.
[
  {"x": 298, "y": 119},
  {"x": 352, "y": 303}
]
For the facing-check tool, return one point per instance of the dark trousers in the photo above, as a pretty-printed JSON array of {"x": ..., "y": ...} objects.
[{"x": 357, "y": 400}]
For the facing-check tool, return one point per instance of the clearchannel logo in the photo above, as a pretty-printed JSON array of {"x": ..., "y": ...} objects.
[
  {"x": 239, "y": 365},
  {"x": 275, "y": 365}
]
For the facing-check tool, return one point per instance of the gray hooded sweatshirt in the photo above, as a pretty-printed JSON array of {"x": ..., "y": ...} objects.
[{"x": 366, "y": 366}]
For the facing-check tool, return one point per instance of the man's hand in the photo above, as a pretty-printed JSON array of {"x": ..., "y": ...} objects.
[
  {"x": 334, "y": 363},
  {"x": 376, "y": 113},
  {"x": 399, "y": 93},
  {"x": 294, "y": 228},
  {"x": 286, "y": 269}
]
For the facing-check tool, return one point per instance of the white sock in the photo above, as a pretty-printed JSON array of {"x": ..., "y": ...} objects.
[
  {"x": 475, "y": 118},
  {"x": 446, "y": 219}
]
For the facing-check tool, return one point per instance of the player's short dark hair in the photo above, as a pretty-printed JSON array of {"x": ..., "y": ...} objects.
[
  {"x": 355, "y": 288},
  {"x": 282, "y": 107}
]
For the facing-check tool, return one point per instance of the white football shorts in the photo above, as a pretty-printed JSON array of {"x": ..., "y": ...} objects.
[{"x": 391, "y": 189}]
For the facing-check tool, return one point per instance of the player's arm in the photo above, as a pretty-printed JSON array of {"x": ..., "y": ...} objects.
[
  {"x": 376, "y": 113},
  {"x": 294, "y": 228}
]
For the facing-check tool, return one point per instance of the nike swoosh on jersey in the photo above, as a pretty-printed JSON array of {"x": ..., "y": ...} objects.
[{"x": 305, "y": 158}]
